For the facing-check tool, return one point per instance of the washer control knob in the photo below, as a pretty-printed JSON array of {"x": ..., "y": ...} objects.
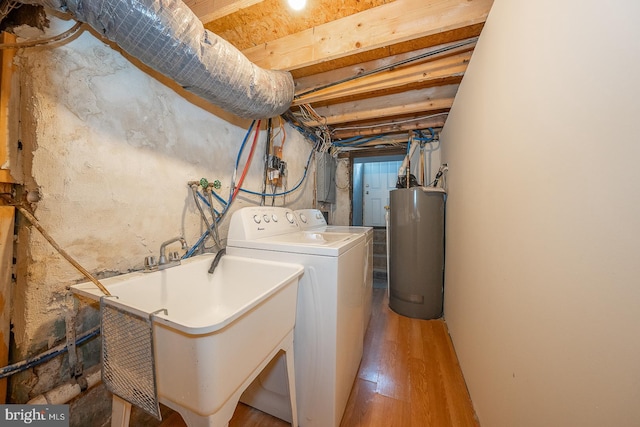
[
  {"x": 290, "y": 217},
  {"x": 303, "y": 218},
  {"x": 256, "y": 219},
  {"x": 274, "y": 217},
  {"x": 266, "y": 218},
  {"x": 318, "y": 215}
]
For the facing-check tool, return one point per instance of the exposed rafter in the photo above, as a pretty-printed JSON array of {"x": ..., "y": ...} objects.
[{"x": 361, "y": 67}]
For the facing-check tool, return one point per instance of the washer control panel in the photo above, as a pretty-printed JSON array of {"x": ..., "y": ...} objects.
[
  {"x": 309, "y": 218},
  {"x": 261, "y": 221}
]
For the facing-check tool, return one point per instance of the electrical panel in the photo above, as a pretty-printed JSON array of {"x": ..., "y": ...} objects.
[{"x": 326, "y": 178}]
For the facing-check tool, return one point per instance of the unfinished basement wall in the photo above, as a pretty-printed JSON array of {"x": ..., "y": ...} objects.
[
  {"x": 342, "y": 208},
  {"x": 542, "y": 271},
  {"x": 110, "y": 150}
]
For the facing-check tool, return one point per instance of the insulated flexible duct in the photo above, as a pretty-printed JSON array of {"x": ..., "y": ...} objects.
[{"x": 168, "y": 37}]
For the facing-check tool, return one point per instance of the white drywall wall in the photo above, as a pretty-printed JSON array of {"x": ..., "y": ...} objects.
[{"x": 542, "y": 289}]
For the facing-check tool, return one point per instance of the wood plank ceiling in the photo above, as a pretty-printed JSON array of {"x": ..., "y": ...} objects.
[{"x": 363, "y": 69}]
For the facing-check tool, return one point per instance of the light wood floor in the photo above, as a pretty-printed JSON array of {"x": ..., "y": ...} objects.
[{"x": 409, "y": 377}]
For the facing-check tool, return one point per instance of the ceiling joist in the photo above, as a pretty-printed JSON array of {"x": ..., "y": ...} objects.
[
  {"x": 379, "y": 27},
  {"x": 361, "y": 67},
  {"x": 411, "y": 77},
  {"x": 210, "y": 10}
]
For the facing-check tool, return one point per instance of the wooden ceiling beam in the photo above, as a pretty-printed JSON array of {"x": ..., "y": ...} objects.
[
  {"x": 383, "y": 113},
  {"x": 306, "y": 83},
  {"x": 395, "y": 49},
  {"x": 393, "y": 127},
  {"x": 410, "y": 77},
  {"x": 209, "y": 10},
  {"x": 424, "y": 107},
  {"x": 412, "y": 102},
  {"x": 372, "y": 29},
  {"x": 396, "y": 89}
]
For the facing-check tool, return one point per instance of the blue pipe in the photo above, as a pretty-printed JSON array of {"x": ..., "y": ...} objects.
[
  {"x": 47, "y": 355},
  {"x": 423, "y": 138},
  {"x": 227, "y": 203}
]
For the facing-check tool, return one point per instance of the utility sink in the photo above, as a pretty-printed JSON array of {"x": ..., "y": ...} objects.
[{"x": 219, "y": 330}]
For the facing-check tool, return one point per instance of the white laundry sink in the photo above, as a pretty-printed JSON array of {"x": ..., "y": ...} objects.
[{"x": 219, "y": 331}]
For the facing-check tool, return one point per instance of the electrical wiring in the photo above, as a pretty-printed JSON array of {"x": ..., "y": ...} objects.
[
  {"x": 300, "y": 127},
  {"x": 323, "y": 132},
  {"x": 281, "y": 130},
  {"x": 306, "y": 169},
  {"x": 33, "y": 43},
  {"x": 284, "y": 132},
  {"x": 7, "y": 6}
]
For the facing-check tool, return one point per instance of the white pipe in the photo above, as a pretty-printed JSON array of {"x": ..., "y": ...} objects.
[
  {"x": 403, "y": 167},
  {"x": 66, "y": 392}
]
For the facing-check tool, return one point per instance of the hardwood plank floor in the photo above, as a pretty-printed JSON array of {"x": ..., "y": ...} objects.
[{"x": 409, "y": 377}]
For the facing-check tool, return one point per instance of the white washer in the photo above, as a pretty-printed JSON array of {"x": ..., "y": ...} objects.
[
  {"x": 313, "y": 219},
  {"x": 327, "y": 335}
]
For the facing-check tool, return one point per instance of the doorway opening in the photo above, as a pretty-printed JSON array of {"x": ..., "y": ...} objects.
[{"x": 373, "y": 178}]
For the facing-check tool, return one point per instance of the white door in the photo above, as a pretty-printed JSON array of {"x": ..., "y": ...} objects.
[{"x": 379, "y": 178}]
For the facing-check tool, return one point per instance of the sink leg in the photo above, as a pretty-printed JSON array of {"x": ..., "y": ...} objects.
[
  {"x": 292, "y": 383},
  {"x": 120, "y": 412}
]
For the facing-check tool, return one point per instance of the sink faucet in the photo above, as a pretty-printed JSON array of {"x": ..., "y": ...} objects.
[{"x": 163, "y": 263}]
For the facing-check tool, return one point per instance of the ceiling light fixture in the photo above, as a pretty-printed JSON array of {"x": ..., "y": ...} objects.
[{"x": 297, "y": 4}]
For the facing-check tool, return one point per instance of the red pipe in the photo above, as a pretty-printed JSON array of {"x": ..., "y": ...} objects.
[{"x": 246, "y": 166}]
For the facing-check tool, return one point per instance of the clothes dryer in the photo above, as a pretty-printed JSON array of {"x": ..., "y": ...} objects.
[
  {"x": 327, "y": 335},
  {"x": 313, "y": 219}
]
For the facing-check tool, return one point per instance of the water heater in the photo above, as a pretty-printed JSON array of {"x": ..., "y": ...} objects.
[{"x": 416, "y": 251}]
